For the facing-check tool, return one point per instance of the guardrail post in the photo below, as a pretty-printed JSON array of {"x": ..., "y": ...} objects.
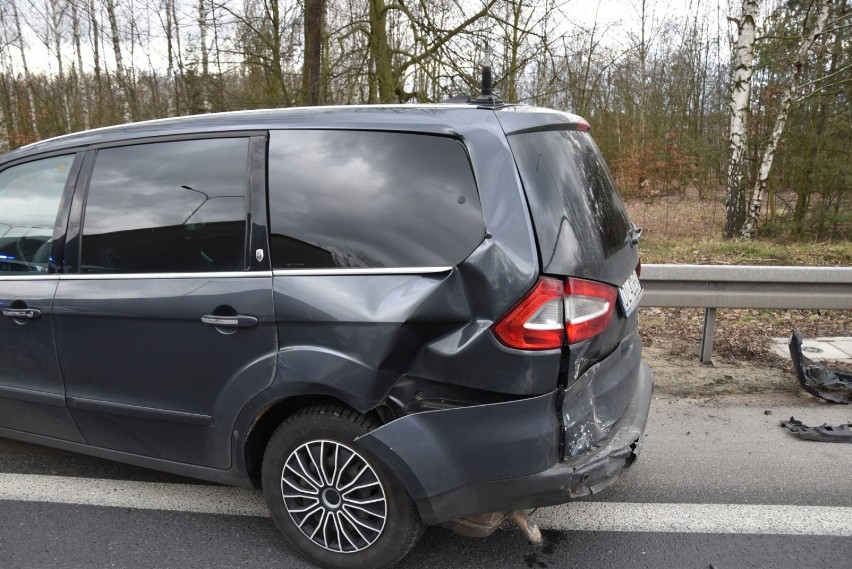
[{"x": 706, "y": 350}]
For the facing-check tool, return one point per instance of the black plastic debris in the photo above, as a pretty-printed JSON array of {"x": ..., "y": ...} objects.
[
  {"x": 823, "y": 433},
  {"x": 818, "y": 380}
]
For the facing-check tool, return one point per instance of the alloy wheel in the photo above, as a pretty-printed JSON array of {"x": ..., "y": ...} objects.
[{"x": 334, "y": 496}]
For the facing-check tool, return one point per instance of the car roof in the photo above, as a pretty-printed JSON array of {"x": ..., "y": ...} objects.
[{"x": 443, "y": 119}]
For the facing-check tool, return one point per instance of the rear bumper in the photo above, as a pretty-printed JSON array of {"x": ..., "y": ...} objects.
[{"x": 506, "y": 456}]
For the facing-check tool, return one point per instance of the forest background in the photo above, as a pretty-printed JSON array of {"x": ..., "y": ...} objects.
[{"x": 657, "y": 81}]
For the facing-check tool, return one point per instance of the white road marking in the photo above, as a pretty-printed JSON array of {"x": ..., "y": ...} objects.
[
  {"x": 699, "y": 518},
  {"x": 130, "y": 494},
  {"x": 577, "y": 516}
]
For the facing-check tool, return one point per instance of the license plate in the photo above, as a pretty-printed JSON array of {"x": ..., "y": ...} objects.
[{"x": 630, "y": 293}]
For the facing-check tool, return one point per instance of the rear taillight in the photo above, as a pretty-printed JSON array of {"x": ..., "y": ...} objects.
[
  {"x": 536, "y": 322},
  {"x": 588, "y": 308},
  {"x": 553, "y": 311}
]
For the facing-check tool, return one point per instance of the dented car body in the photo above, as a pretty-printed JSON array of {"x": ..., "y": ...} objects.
[{"x": 463, "y": 277}]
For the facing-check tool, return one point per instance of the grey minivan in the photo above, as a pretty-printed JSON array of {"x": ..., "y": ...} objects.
[{"x": 383, "y": 316}]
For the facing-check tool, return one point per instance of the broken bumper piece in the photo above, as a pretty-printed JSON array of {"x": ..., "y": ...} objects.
[
  {"x": 818, "y": 380},
  {"x": 823, "y": 433}
]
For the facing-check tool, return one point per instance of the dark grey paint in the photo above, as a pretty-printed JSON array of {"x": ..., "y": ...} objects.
[
  {"x": 512, "y": 451},
  {"x": 143, "y": 373},
  {"x": 31, "y": 388},
  {"x": 140, "y": 342},
  {"x": 501, "y": 440}
]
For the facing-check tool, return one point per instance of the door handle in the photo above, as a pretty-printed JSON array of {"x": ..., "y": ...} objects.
[
  {"x": 22, "y": 313},
  {"x": 238, "y": 321}
]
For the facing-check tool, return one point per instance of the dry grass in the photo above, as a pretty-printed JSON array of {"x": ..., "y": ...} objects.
[
  {"x": 687, "y": 229},
  {"x": 683, "y": 228}
]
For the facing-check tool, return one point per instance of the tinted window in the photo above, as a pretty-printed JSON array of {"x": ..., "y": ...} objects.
[
  {"x": 576, "y": 209},
  {"x": 167, "y": 207},
  {"x": 29, "y": 200},
  {"x": 370, "y": 199}
]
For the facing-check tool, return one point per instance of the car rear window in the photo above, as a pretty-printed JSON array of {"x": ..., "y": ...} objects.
[
  {"x": 366, "y": 199},
  {"x": 575, "y": 207}
]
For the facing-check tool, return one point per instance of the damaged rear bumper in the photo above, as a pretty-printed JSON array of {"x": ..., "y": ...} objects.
[{"x": 507, "y": 456}]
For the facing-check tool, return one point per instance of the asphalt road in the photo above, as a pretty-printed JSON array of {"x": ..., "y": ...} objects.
[{"x": 720, "y": 486}]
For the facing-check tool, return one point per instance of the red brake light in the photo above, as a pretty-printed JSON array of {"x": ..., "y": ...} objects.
[
  {"x": 639, "y": 268},
  {"x": 536, "y": 322},
  {"x": 588, "y": 308}
]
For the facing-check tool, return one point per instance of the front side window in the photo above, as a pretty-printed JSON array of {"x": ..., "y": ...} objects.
[
  {"x": 29, "y": 201},
  {"x": 357, "y": 199},
  {"x": 167, "y": 207}
]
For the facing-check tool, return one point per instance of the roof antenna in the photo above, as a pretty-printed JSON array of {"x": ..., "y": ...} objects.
[{"x": 487, "y": 96}]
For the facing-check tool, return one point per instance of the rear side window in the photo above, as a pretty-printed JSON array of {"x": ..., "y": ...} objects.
[
  {"x": 29, "y": 201},
  {"x": 167, "y": 207},
  {"x": 567, "y": 183},
  {"x": 370, "y": 200}
]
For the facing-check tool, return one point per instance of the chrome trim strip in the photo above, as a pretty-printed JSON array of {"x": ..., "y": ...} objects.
[
  {"x": 32, "y": 277},
  {"x": 147, "y": 276},
  {"x": 349, "y": 272}
]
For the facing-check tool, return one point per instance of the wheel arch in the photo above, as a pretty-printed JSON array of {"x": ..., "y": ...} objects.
[{"x": 271, "y": 416}]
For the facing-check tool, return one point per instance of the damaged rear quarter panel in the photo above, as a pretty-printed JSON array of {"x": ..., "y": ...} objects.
[{"x": 354, "y": 336}]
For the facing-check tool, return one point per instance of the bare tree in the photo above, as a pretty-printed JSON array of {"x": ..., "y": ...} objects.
[
  {"x": 130, "y": 112},
  {"x": 27, "y": 76},
  {"x": 390, "y": 64},
  {"x": 205, "y": 56},
  {"x": 55, "y": 10},
  {"x": 312, "y": 67},
  {"x": 79, "y": 75}
]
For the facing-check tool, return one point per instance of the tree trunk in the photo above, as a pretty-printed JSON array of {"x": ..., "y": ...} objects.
[
  {"x": 217, "y": 52},
  {"x": 740, "y": 94},
  {"x": 96, "y": 53},
  {"x": 803, "y": 194},
  {"x": 758, "y": 192},
  {"x": 381, "y": 53},
  {"x": 279, "y": 95},
  {"x": 312, "y": 66},
  {"x": 179, "y": 75},
  {"x": 7, "y": 116},
  {"x": 27, "y": 76},
  {"x": 643, "y": 80},
  {"x": 79, "y": 76},
  {"x": 205, "y": 58},
  {"x": 56, "y": 11},
  {"x": 121, "y": 76}
]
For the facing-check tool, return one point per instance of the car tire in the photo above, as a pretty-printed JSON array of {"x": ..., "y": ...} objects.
[{"x": 354, "y": 513}]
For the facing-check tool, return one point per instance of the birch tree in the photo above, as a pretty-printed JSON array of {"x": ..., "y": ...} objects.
[
  {"x": 758, "y": 192},
  {"x": 740, "y": 94}
]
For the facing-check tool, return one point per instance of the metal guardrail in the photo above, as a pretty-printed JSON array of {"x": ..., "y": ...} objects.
[{"x": 722, "y": 286}]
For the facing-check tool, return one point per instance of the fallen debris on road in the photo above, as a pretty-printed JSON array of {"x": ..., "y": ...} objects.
[
  {"x": 818, "y": 380},
  {"x": 823, "y": 433}
]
